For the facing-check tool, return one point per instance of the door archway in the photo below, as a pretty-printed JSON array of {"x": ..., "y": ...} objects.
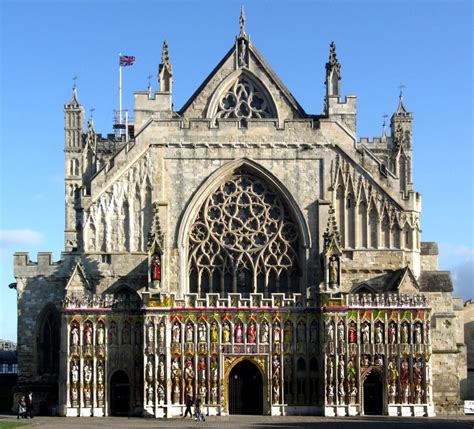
[
  {"x": 119, "y": 394},
  {"x": 245, "y": 390},
  {"x": 373, "y": 394}
]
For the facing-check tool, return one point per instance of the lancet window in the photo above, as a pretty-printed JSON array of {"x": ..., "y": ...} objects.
[{"x": 244, "y": 240}]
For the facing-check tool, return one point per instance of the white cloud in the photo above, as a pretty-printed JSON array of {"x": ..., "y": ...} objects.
[{"x": 19, "y": 237}]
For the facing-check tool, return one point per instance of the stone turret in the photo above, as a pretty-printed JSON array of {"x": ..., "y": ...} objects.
[
  {"x": 342, "y": 111},
  {"x": 400, "y": 158},
  {"x": 73, "y": 145}
]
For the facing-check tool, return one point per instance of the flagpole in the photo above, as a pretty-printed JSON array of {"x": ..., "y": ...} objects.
[{"x": 120, "y": 91}]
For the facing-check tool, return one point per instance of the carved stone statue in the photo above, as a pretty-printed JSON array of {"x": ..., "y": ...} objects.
[
  {"x": 276, "y": 332},
  {"x": 276, "y": 369},
  {"x": 202, "y": 332},
  {"x": 238, "y": 335},
  {"x": 333, "y": 270},
  {"x": 156, "y": 268},
  {"x": 176, "y": 332},
  {"x": 379, "y": 333},
  {"x": 418, "y": 333},
  {"x": 189, "y": 332},
  {"x": 74, "y": 335},
  {"x": 100, "y": 335},
  {"x": 214, "y": 332},
  {"x": 405, "y": 333},
  {"x": 264, "y": 332},
  {"x": 202, "y": 368},
  {"x": 352, "y": 333},
  {"x": 251, "y": 332},
  {"x": 330, "y": 333},
  {"x": 392, "y": 333},
  {"x": 365, "y": 333},
  {"x": 225, "y": 332}
]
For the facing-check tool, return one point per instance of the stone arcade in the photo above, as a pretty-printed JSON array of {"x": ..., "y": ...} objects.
[{"x": 243, "y": 251}]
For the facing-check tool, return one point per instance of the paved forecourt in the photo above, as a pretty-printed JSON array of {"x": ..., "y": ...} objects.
[{"x": 461, "y": 422}]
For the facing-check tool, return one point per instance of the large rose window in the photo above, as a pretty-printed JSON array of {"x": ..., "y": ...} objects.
[{"x": 244, "y": 240}]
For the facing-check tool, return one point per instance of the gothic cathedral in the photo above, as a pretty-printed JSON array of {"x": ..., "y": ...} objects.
[{"x": 242, "y": 251}]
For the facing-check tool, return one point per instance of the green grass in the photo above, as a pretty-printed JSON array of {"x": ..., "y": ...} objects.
[{"x": 9, "y": 425}]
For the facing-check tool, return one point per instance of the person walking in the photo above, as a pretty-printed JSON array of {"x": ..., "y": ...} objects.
[
  {"x": 21, "y": 408},
  {"x": 189, "y": 404},
  {"x": 29, "y": 404}
]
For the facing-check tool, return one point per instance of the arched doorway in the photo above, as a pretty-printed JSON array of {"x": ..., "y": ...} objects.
[
  {"x": 373, "y": 394},
  {"x": 245, "y": 389},
  {"x": 119, "y": 394}
]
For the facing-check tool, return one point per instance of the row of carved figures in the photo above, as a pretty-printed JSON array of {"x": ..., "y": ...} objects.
[
  {"x": 405, "y": 377},
  {"x": 396, "y": 333},
  {"x": 87, "y": 382}
]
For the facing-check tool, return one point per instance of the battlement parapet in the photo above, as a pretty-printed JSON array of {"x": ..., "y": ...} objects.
[{"x": 44, "y": 266}]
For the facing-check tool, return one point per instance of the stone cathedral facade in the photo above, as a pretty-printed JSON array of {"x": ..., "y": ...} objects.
[{"x": 242, "y": 251}]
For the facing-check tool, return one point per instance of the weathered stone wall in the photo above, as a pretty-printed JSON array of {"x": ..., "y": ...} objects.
[{"x": 468, "y": 383}]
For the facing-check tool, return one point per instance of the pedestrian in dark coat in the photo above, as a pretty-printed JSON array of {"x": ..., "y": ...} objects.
[
  {"x": 189, "y": 404},
  {"x": 29, "y": 404}
]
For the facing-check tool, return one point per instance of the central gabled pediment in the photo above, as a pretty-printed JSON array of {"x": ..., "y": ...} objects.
[{"x": 243, "y": 87}]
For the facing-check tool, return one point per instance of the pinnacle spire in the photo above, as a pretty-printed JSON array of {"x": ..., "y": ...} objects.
[
  {"x": 242, "y": 22},
  {"x": 165, "y": 70},
  {"x": 384, "y": 128},
  {"x": 401, "y": 110}
]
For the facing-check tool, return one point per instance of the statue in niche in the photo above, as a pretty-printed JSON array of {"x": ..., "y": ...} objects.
[
  {"x": 378, "y": 360},
  {"x": 202, "y": 332},
  {"x": 162, "y": 332},
  {"x": 176, "y": 392},
  {"x": 428, "y": 331},
  {"x": 251, "y": 332},
  {"x": 341, "y": 367},
  {"x": 161, "y": 393},
  {"x": 189, "y": 332},
  {"x": 176, "y": 332},
  {"x": 202, "y": 368},
  {"x": 365, "y": 333},
  {"x": 330, "y": 394},
  {"x": 379, "y": 333},
  {"x": 74, "y": 395},
  {"x": 392, "y": 371},
  {"x": 189, "y": 370},
  {"x": 406, "y": 394},
  {"x": 225, "y": 332},
  {"x": 353, "y": 395},
  {"x": 214, "y": 369},
  {"x": 100, "y": 335},
  {"x": 88, "y": 333},
  {"x": 238, "y": 335},
  {"x": 161, "y": 368},
  {"x": 418, "y": 333},
  {"x": 365, "y": 361},
  {"x": 275, "y": 369},
  {"x": 351, "y": 370},
  {"x": 149, "y": 370},
  {"x": 156, "y": 268},
  {"x": 276, "y": 332},
  {"x": 74, "y": 335},
  {"x": 330, "y": 369},
  {"x": 333, "y": 270},
  {"x": 149, "y": 394},
  {"x": 214, "y": 333},
  {"x": 87, "y": 373},
  {"x": 418, "y": 371},
  {"x": 418, "y": 394},
  {"x": 342, "y": 393},
  {"x": 74, "y": 372},
  {"x": 100, "y": 373},
  {"x": 301, "y": 332},
  {"x": 150, "y": 334},
  {"x": 126, "y": 334},
  {"x": 113, "y": 333},
  {"x": 352, "y": 333},
  {"x": 203, "y": 392},
  {"x": 87, "y": 395},
  {"x": 175, "y": 370},
  {"x": 242, "y": 53},
  {"x": 100, "y": 394},
  {"x": 341, "y": 333},
  {"x": 392, "y": 333},
  {"x": 330, "y": 333},
  {"x": 405, "y": 333},
  {"x": 392, "y": 393},
  {"x": 264, "y": 332},
  {"x": 214, "y": 395},
  {"x": 276, "y": 393}
]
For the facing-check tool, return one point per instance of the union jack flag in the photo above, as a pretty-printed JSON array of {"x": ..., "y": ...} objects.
[{"x": 126, "y": 60}]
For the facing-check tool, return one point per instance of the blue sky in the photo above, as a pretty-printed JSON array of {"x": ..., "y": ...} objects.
[{"x": 426, "y": 45}]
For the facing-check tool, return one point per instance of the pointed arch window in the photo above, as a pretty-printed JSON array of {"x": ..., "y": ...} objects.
[
  {"x": 244, "y": 240},
  {"x": 245, "y": 99},
  {"x": 48, "y": 343}
]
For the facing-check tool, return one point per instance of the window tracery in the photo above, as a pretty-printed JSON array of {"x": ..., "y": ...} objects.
[
  {"x": 244, "y": 240},
  {"x": 244, "y": 100}
]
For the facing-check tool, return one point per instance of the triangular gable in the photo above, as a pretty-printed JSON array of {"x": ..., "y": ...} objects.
[
  {"x": 228, "y": 71},
  {"x": 78, "y": 282},
  {"x": 407, "y": 282}
]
